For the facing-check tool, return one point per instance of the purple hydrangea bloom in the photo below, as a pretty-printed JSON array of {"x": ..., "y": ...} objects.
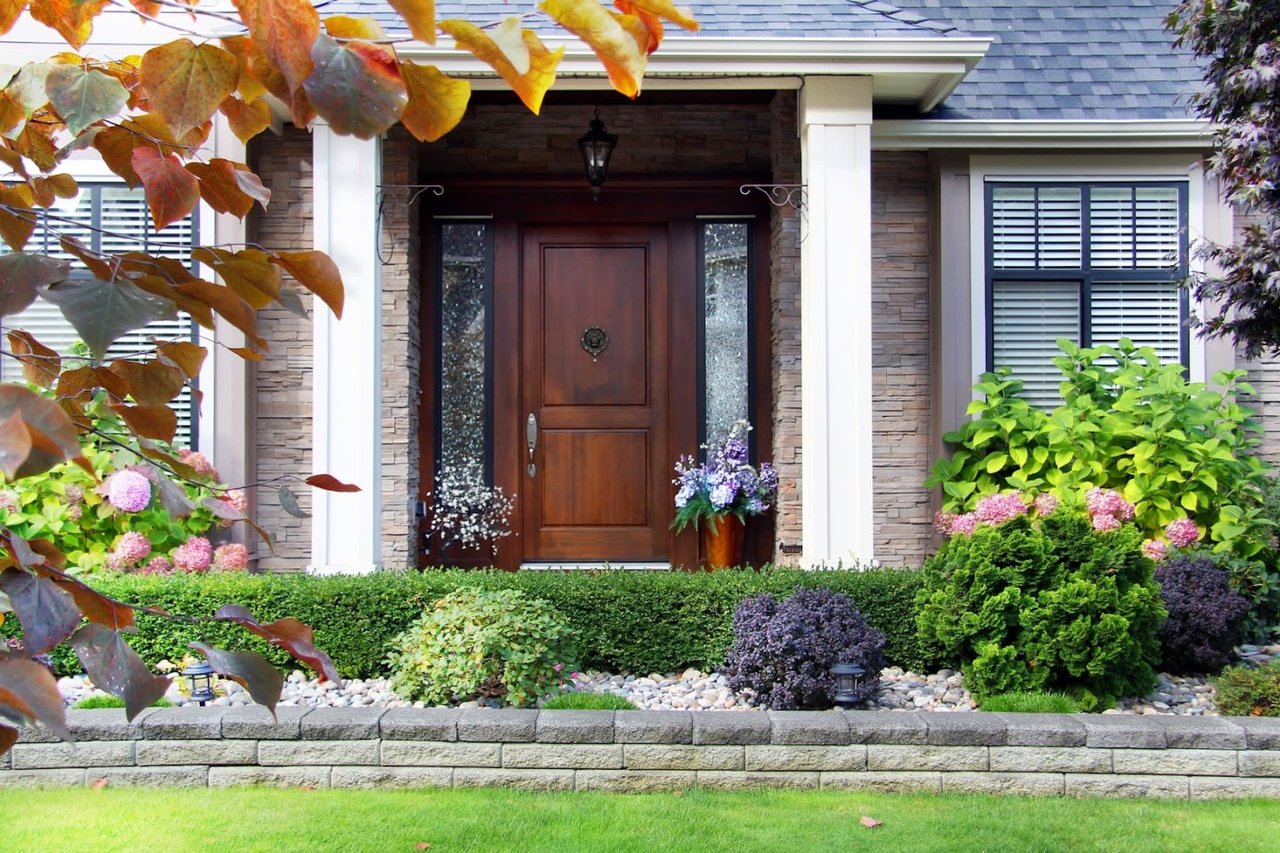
[
  {"x": 722, "y": 494},
  {"x": 129, "y": 491},
  {"x": 735, "y": 451}
]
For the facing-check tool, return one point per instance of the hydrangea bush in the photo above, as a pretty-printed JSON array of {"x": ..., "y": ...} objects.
[
  {"x": 725, "y": 484},
  {"x": 1062, "y": 600},
  {"x": 123, "y": 521},
  {"x": 1205, "y": 615},
  {"x": 784, "y": 651},
  {"x": 477, "y": 643}
]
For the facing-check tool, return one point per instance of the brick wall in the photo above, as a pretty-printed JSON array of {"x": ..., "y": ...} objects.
[
  {"x": 900, "y": 199},
  {"x": 281, "y": 382},
  {"x": 784, "y": 303}
]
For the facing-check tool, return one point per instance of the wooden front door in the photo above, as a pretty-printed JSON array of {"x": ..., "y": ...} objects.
[{"x": 594, "y": 386}]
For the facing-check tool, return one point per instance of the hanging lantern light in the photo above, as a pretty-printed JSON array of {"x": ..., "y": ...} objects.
[{"x": 597, "y": 147}]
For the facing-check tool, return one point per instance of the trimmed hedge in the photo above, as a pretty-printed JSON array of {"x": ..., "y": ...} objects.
[{"x": 627, "y": 621}]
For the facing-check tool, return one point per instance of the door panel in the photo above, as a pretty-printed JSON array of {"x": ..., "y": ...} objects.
[{"x": 600, "y": 485}]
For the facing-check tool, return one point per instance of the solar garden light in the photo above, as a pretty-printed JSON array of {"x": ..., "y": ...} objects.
[
  {"x": 848, "y": 683},
  {"x": 199, "y": 677}
]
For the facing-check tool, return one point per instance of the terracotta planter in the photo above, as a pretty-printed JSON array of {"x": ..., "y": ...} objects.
[{"x": 723, "y": 548}]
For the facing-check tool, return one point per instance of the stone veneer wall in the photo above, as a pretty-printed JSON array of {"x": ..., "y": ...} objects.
[
  {"x": 281, "y": 382},
  {"x": 901, "y": 187},
  {"x": 1035, "y": 754}
]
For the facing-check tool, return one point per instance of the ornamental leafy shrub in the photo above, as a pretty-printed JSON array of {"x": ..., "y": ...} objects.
[
  {"x": 784, "y": 651},
  {"x": 483, "y": 643},
  {"x": 1044, "y": 604},
  {"x": 1205, "y": 615},
  {"x": 1175, "y": 449},
  {"x": 1249, "y": 691}
]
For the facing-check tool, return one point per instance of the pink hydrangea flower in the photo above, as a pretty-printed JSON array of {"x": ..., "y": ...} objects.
[
  {"x": 194, "y": 555},
  {"x": 1108, "y": 502},
  {"x": 963, "y": 525},
  {"x": 942, "y": 522},
  {"x": 74, "y": 494},
  {"x": 1104, "y": 522},
  {"x": 232, "y": 557},
  {"x": 8, "y": 502},
  {"x": 157, "y": 566},
  {"x": 1045, "y": 504},
  {"x": 199, "y": 462},
  {"x": 1155, "y": 549},
  {"x": 238, "y": 499},
  {"x": 1182, "y": 533},
  {"x": 75, "y": 512},
  {"x": 129, "y": 491},
  {"x": 999, "y": 508},
  {"x": 132, "y": 547}
]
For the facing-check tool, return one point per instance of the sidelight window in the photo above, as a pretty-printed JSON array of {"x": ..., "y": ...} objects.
[{"x": 725, "y": 296}]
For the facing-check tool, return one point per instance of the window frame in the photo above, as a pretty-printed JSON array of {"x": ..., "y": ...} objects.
[{"x": 1086, "y": 276}]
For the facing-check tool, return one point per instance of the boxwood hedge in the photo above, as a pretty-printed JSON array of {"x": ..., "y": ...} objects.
[{"x": 628, "y": 621}]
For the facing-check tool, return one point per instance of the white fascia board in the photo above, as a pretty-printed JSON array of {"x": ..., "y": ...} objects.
[{"x": 916, "y": 134}]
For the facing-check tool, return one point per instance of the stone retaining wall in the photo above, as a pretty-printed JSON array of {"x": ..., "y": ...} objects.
[{"x": 1039, "y": 754}]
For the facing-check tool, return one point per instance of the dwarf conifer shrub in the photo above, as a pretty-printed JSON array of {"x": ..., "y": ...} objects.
[
  {"x": 477, "y": 643},
  {"x": 1048, "y": 603},
  {"x": 1249, "y": 691},
  {"x": 784, "y": 651},
  {"x": 1205, "y": 614}
]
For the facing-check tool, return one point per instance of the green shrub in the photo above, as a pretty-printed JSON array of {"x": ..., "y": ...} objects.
[
  {"x": 1031, "y": 702},
  {"x": 1173, "y": 448},
  {"x": 483, "y": 643},
  {"x": 1249, "y": 691},
  {"x": 625, "y": 621},
  {"x": 1045, "y": 605},
  {"x": 90, "y": 703},
  {"x": 587, "y": 701}
]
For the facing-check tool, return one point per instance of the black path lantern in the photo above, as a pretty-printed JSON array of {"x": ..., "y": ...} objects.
[
  {"x": 848, "y": 683},
  {"x": 597, "y": 147},
  {"x": 199, "y": 677}
]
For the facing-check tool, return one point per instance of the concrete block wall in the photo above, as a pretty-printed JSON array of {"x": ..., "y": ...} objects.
[{"x": 636, "y": 751}]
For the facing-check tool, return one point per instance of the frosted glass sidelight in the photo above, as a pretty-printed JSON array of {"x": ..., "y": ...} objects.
[
  {"x": 464, "y": 251},
  {"x": 725, "y": 264}
]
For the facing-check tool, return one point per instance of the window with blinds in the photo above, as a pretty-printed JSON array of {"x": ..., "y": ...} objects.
[
  {"x": 108, "y": 218},
  {"x": 1093, "y": 263}
]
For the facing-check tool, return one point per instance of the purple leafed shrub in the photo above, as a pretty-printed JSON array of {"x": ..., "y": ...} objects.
[
  {"x": 784, "y": 650},
  {"x": 1205, "y": 614}
]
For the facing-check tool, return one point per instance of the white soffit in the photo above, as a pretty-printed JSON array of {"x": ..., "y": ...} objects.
[
  {"x": 904, "y": 134},
  {"x": 913, "y": 71}
]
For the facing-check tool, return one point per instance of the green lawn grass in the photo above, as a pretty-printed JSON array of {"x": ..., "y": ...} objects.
[{"x": 488, "y": 820}]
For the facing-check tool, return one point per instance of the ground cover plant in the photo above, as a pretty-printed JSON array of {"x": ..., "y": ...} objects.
[
  {"x": 484, "y": 820},
  {"x": 638, "y": 622},
  {"x": 90, "y": 703},
  {"x": 582, "y": 701},
  {"x": 149, "y": 117},
  {"x": 1031, "y": 702},
  {"x": 783, "y": 651},
  {"x": 1045, "y": 599},
  {"x": 1245, "y": 691}
]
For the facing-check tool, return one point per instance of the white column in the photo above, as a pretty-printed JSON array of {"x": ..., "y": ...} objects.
[
  {"x": 835, "y": 311},
  {"x": 347, "y": 375}
]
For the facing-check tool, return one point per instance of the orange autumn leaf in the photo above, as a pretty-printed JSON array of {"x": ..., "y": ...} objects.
[
  {"x": 317, "y": 272},
  {"x": 284, "y": 30},
  {"x": 621, "y": 42},
  {"x": 172, "y": 191},
  {"x": 73, "y": 19},
  {"x": 664, "y": 9},
  {"x": 10, "y": 10},
  {"x": 185, "y": 83},
  {"x": 247, "y": 120},
  {"x": 248, "y": 87},
  {"x": 437, "y": 101},
  {"x": 420, "y": 15},
  {"x": 346, "y": 27},
  {"x": 530, "y": 86}
]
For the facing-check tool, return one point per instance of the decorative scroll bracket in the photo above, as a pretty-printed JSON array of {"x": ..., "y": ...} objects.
[
  {"x": 411, "y": 192},
  {"x": 781, "y": 195}
]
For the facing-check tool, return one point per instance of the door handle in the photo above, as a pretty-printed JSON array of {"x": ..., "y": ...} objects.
[{"x": 531, "y": 438}]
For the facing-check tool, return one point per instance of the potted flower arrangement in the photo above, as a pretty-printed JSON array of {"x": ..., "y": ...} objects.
[{"x": 717, "y": 495}]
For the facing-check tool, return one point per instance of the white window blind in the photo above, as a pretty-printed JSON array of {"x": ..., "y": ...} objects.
[
  {"x": 1109, "y": 253},
  {"x": 1028, "y": 318},
  {"x": 1149, "y": 313},
  {"x": 122, "y": 211}
]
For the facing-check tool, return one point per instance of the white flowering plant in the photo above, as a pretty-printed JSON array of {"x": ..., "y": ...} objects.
[{"x": 467, "y": 512}]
